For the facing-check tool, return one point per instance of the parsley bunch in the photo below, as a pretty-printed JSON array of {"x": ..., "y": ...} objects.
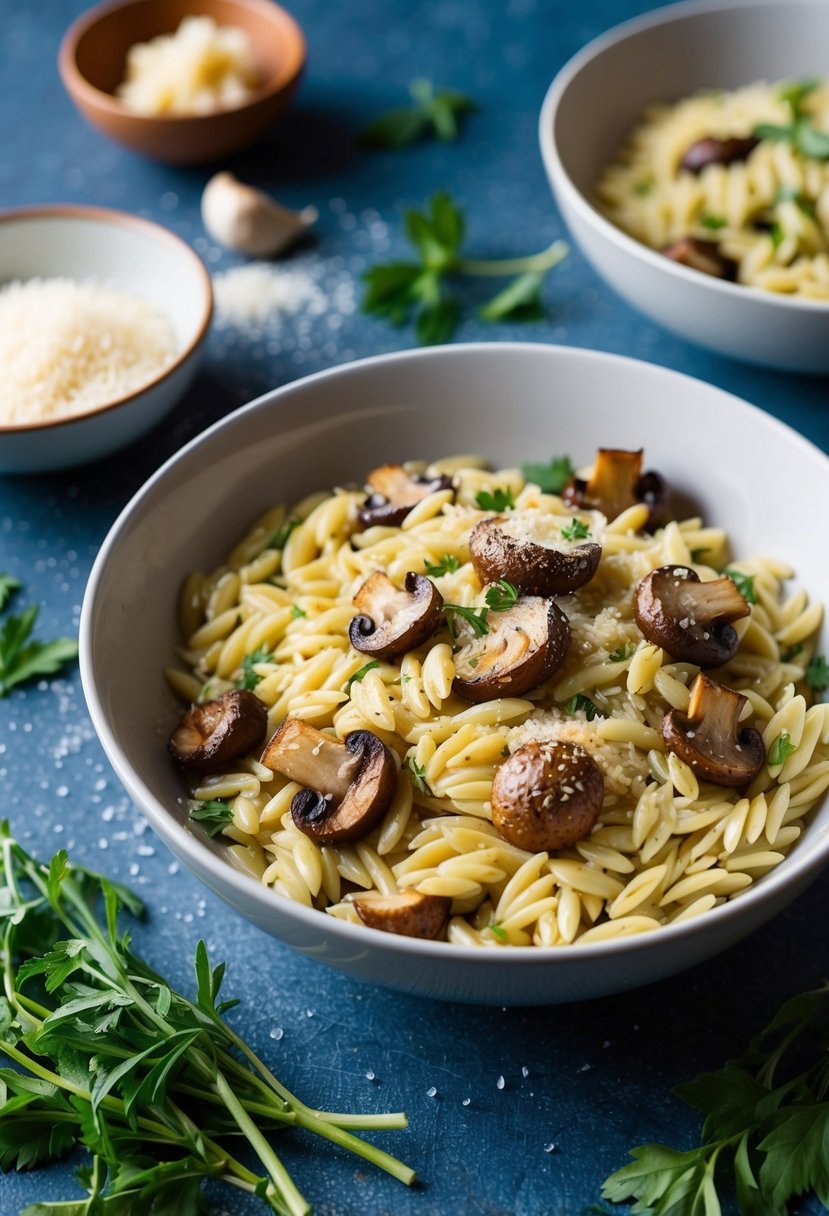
[
  {"x": 433, "y": 114},
  {"x": 399, "y": 291},
  {"x": 157, "y": 1087},
  {"x": 765, "y": 1132},
  {"x": 801, "y": 132},
  {"x": 23, "y": 657}
]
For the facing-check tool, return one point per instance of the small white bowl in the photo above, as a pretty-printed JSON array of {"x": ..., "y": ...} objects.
[
  {"x": 597, "y": 98},
  {"x": 134, "y": 256},
  {"x": 742, "y": 469}
]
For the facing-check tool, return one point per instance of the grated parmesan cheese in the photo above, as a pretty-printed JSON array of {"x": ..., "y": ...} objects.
[
  {"x": 68, "y": 347},
  {"x": 258, "y": 292}
]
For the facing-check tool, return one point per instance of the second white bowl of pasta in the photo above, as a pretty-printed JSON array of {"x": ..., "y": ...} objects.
[
  {"x": 520, "y": 727},
  {"x": 688, "y": 151}
]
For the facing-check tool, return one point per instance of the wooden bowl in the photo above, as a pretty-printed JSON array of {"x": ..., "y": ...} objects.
[{"x": 92, "y": 63}]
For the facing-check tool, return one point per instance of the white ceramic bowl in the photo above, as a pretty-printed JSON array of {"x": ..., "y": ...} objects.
[
  {"x": 597, "y": 98},
  {"x": 509, "y": 401},
  {"x": 134, "y": 256}
]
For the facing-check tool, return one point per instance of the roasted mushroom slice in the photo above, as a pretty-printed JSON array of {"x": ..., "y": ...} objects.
[
  {"x": 409, "y": 913},
  {"x": 391, "y": 621},
  {"x": 713, "y": 151},
  {"x": 688, "y": 618},
  {"x": 547, "y": 796},
  {"x": 616, "y": 483},
  {"x": 394, "y": 492},
  {"x": 521, "y": 648},
  {"x": 349, "y": 785},
  {"x": 530, "y": 552},
  {"x": 701, "y": 255},
  {"x": 709, "y": 737},
  {"x": 213, "y": 734}
]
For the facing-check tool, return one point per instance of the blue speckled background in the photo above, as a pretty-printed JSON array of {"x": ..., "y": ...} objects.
[{"x": 518, "y": 1112}]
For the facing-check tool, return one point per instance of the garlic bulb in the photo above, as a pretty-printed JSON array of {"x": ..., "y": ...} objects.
[{"x": 243, "y": 218}]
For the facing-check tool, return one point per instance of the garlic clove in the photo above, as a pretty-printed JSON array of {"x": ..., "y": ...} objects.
[{"x": 245, "y": 219}]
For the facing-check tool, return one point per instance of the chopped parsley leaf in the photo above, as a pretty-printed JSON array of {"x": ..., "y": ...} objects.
[
  {"x": 500, "y": 933},
  {"x": 474, "y": 617},
  {"x": 550, "y": 478},
  {"x": 744, "y": 584},
  {"x": 780, "y": 750},
  {"x": 278, "y": 539},
  {"x": 501, "y": 596},
  {"x": 791, "y": 653},
  {"x": 621, "y": 653},
  {"x": 698, "y": 554},
  {"x": 583, "y": 703},
  {"x": 417, "y": 775},
  {"x": 297, "y": 612},
  {"x": 577, "y": 530},
  {"x": 358, "y": 675},
  {"x": 712, "y": 221},
  {"x": 8, "y": 586},
  {"x": 447, "y": 564},
  {"x": 250, "y": 678},
  {"x": 499, "y": 500},
  {"x": 817, "y": 674},
  {"x": 213, "y": 815}
]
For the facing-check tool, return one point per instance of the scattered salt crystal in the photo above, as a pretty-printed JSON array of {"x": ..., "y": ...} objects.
[
  {"x": 369, "y": 1075},
  {"x": 277, "y": 1033},
  {"x": 431, "y": 1092},
  {"x": 550, "y": 1148},
  {"x": 62, "y": 791},
  {"x": 525, "y": 1072},
  {"x": 500, "y": 1083},
  {"x": 466, "y": 1102}
]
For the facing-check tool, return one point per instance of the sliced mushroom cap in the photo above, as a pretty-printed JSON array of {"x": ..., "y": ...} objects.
[
  {"x": 688, "y": 618},
  {"x": 713, "y": 151},
  {"x": 616, "y": 483},
  {"x": 701, "y": 255},
  {"x": 394, "y": 492},
  {"x": 709, "y": 737},
  {"x": 523, "y": 646},
  {"x": 349, "y": 785},
  {"x": 530, "y": 552},
  {"x": 215, "y": 733},
  {"x": 391, "y": 621},
  {"x": 547, "y": 796},
  {"x": 409, "y": 913}
]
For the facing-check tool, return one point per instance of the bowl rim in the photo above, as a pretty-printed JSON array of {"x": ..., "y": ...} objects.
[
  {"x": 561, "y": 179},
  {"x": 77, "y": 84},
  {"x": 118, "y": 219},
  {"x": 222, "y": 873}
]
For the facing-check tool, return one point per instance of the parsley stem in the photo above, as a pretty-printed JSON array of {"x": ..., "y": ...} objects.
[
  {"x": 500, "y": 268},
  {"x": 359, "y": 1147}
]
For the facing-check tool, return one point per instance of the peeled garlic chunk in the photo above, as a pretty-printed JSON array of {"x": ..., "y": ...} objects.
[{"x": 243, "y": 218}]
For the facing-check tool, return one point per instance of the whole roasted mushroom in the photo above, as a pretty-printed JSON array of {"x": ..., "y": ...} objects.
[
  {"x": 522, "y": 550},
  {"x": 547, "y": 795},
  {"x": 349, "y": 785},
  {"x": 520, "y": 650},
  {"x": 701, "y": 255},
  {"x": 394, "y": 492},
  {"x": 391, "y": 621},
  {"x": 709, "y": 737},
  {"x": 688, "y": 618},
  {"x": 410, "y": 913},
  {"x": 713, "y": 151},
  {"x": 212, "y": 734},
  {"x": 616, "y": 483}
]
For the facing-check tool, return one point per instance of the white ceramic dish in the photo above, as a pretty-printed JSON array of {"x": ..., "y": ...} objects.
[
  {"x": 743, "y": 469},
  {"x": 134, "y": 256},
  {"x": 596, "y": 99}
]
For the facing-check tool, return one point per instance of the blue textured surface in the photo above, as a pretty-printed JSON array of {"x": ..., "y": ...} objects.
[{"x": 530, "y": 1109}]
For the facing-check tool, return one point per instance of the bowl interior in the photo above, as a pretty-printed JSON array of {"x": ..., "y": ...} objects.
[
  {"x": 102, "y": 46},
  {"x": 117, "y": 250},
  {"x": 671, "y": 55},
  {"x": 740, "y": 468}
]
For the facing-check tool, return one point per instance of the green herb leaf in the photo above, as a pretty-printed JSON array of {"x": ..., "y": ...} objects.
[
  {"x": 447, "y": 565},
  {"x": 358, "y": 675},
  {"x": 474, "y": 617},
  {"x": 817, "y": 673},
  {"x": 576, "y": 530},
  {"x": 713, "y": 222},
  {"x": 582, "y": 703},
  {"x": 744, "y": 584},
  {"x": 417, "y": 775},
  {"x": 794, "y": 92},
  {"x": 499, "y": 932},
  {"x": 297, "y": 613},
  {"x": 22, "y": 658},
  {"x": 811, "y": 142},
  {"x": 500, "y": 499},
  {"x": 621, "y": 653},
  {"x": 520, "y": 300},
  {"x": 550, "y": 478},
  {"x": 776, "y": 234},
  {"x": 250, "y": 678},
  {"x": 434, "y": 114},
  {"x": 436, "y": 322},
  {"x": 791, "y": 653},
  {"x": 279, "y": 538},
  {"x": 501, "y": 596},
  {"x": 213, "y": 815},
  {"x": 773, "y": 131},
  {"x": 698, "y": 554},
  {"x": 8, "y": 586},
  {"x": 780, "y": 750}
]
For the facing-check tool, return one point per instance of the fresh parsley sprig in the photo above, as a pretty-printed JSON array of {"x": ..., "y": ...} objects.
[
  {"x": 577, "y": 529},
  {"x": 501, "y": 596},
  {"x": 448, "y": 564},
  {"x": 780, "y": 750},
  {"x": 417, "y": 776},
  {"x": 213, "y": 814},
  {"x": 583, "y": 703},
  {"x": 744, "y": 584},
  {"x": 23, "y": 657},
  {"x": 250, "y": 678},
  {"x": 474, "y": 617},
  {"x": 107, "y": 1056},
  {"x": 817, "y": 673},
  {"x": 433, "y": 114},
  {"x": 801, "y": 132},
  {"x": 765, "y": 1130},
  {"x": 360, "y": 674},
  {"x": 551, "y": 478},
  {"x": 400, "y": 291},
  {"x": 499, "y": 499}
]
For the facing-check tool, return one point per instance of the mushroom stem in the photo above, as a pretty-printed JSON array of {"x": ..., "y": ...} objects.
[
  {"x": 306, "y": 755},
  {"x": 709, "y": 737}
]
